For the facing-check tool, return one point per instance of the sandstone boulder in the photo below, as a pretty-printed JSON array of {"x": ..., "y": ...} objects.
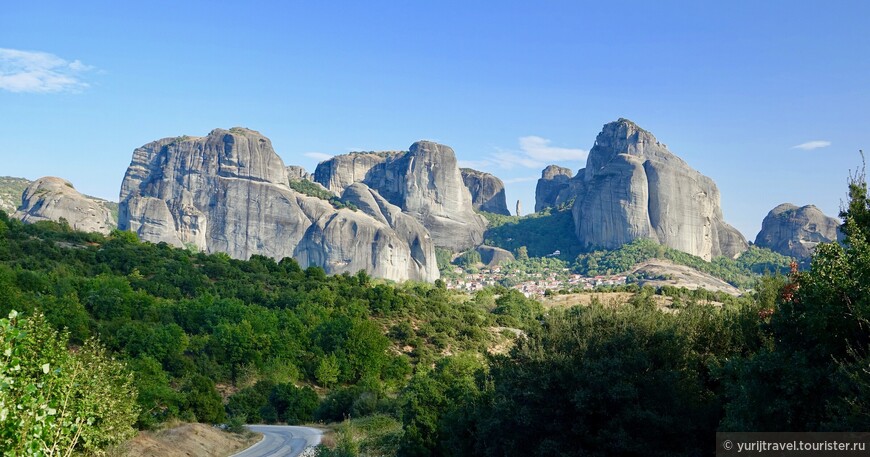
[
  {"x": 487, "y": 191},
  {"x": 795, "y": 232},
  {"x": 492, "y": 256},
  {"x": 54, "y": 199}
]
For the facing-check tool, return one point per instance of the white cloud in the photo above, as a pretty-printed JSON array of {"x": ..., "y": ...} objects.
[
  {"x": 318, "y": 156},
  {"x": 521, "y": 179},
  {"x": 810, "y": 145},
  {"x": 534, "y": 152},
  {"x": 40, "y": 72},
  {"x": 510, "y": 159},
  {"x": 539, "y": 149}
]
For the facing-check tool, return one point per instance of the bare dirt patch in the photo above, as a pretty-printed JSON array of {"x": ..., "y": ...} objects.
[{"x": 187, "y": 440}]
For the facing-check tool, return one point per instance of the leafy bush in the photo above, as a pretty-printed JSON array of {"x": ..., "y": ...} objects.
[
  {"x": 311, "y": 189},
  {"x": 742, "y": 272},
  {"x": 55, "y": 401}
]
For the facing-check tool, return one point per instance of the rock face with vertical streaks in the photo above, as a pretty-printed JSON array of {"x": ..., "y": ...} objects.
[
  {"x": 425, "y": 182},
  {"x": 634, "y": 187},
  {"x": 227, "y": 192}
]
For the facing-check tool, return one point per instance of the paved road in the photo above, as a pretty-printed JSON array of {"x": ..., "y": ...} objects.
[{"x": 281, "y": 440}]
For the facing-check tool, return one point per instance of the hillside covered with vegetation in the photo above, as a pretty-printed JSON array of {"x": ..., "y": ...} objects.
[{"x": 424, "y": 371}]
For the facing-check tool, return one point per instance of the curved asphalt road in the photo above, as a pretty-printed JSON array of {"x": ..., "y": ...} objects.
[{"x": 281, "y": 440}]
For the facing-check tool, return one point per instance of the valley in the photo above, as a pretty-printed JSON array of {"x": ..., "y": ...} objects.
[{"x": 377, "y": 298}]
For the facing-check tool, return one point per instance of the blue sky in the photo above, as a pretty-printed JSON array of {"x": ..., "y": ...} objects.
[{"x": 731, "y": 87}]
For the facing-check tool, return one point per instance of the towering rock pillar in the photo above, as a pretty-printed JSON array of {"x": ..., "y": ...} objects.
[{"x": 634, "y": 187}]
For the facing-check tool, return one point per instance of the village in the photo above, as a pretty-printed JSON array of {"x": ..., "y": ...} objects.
[{"x": 530, "y": 284}]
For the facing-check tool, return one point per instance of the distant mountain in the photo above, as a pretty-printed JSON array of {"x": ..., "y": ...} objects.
[
  {"x": 634, "y": 187},
  {"x": 229, "y": 192},
  {"x": 795, "y": 232}
]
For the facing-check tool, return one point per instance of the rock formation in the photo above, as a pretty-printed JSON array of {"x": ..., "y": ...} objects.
[
  {"x": 227, "y": 192},
  {"x": 339, "y": 172},
  {"x": 54, "y": 199},
  {"x": 425, "y": 182},
  {"x": 422, "y": 250},
  {"x": 487, "y": 191},
  {"x": 634, "y": 187},
  {"x": 492, "y": 256},
  {"x": 554, "y": 180},
  {"x": 795, "y": 232},
  {"x": 297, "y": 173},
  {"x": 519, "y": 208}
]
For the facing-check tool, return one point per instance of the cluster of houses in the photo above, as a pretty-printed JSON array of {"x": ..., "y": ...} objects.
[{"x": 530, "y": 284}]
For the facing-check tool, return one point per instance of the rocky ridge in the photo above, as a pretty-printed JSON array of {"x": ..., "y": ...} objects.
[
  {"x": 634, "y": 187},
  {"x": 796, "y": 231},
  {"x": 53, "y": 199},
  {"x": 228, "y": 192}
]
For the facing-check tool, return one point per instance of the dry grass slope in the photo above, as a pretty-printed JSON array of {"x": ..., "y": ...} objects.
[{"x": 187, "y": 440}]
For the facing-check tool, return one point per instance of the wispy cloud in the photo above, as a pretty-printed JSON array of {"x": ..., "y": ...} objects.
[
  {"x": 539, "y": 149},
  {"x": 521, "y": 179},
  {"x": 40, "y": 72},
  {"x": 534, "y": 152},
  {"x": 318, "y": 156},
  {"x": 810, "y": 145}
]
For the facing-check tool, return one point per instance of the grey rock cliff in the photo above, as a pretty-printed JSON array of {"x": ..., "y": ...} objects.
[
  {"x": 554, "y": 180},
  {"x": 425, "y": 182},
  {"x": 227, "y": 192},
  {"x": 411, "y": 232},
  {"x": 54, "y": 199},
  {"x": 795, "y": 232},
  {"x": 633, "y": 187},
  {"x": 339, "y": 172},
  {"x": 487, "y": 191}
]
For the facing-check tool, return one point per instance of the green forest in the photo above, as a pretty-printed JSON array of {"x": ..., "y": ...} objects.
[{"x": 104, "y": 335}]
